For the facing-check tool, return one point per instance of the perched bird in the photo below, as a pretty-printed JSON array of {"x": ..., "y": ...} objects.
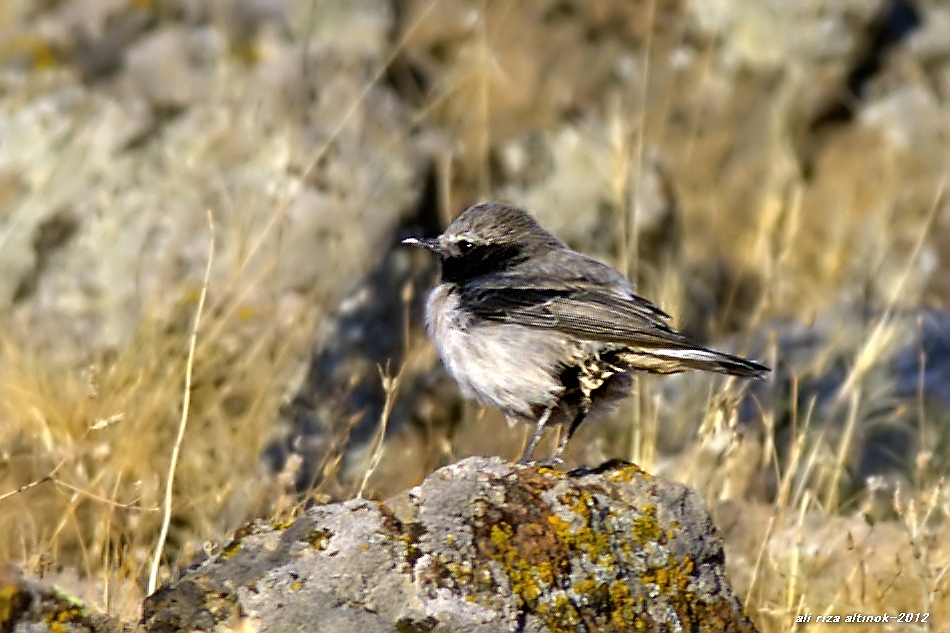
[{"x": 542, "y": 332}]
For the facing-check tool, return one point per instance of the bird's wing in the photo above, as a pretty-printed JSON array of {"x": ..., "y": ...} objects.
[
  {"x": 577, "y": 296},
  {"x": 587, "y": 313},
  {"x": 570, "y": 293}
]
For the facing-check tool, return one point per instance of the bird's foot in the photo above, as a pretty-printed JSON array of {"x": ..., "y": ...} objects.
[{"x": 550, "y": 462}]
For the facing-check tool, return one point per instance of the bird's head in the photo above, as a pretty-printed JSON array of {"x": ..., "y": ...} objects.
[{"x": 487, "y": 238}]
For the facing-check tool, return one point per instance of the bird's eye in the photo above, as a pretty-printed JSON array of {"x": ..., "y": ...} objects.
[{"x": 465, "y": 246}]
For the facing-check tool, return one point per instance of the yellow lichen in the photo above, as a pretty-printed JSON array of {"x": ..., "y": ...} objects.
[
  {"x": 500, "y": 535},
  {"x": 627, "y": 473},
  {"x": 318, "y": 539},
  {"x": 462, "y": 572},
  {"x": 562, "y": 616},
  {"x": 585, "y": 587},
  {"x": 548, "y": 471},
  {"x": 561, "y": 527},
  {"x": 57, "y": 620},
  {"x": 646, "y": 529},
  {"x": 518, "y": 570},
  {"x": 282, "y": 524},
  {"x": 10, "y": 595},
  {"x": 619, "y": 591},
  {"x": 232, "y": 548},
  {"x": 623, "y": 607},
  {"x": 580, "y": 507},
  {"x": 545, "y": 571},
  {"x": 673, "y": 578}
]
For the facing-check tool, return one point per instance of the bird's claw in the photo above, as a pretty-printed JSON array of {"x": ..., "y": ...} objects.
[{"x": 549, "y": 462}]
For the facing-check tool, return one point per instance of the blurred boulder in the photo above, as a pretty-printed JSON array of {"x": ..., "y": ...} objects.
[{"x": 307, "y": 161}]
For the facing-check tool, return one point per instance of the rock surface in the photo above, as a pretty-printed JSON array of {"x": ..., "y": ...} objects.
[
  {"x": 306, "y": 160},
  {"x": 28, "y": 604},
  {"x": 481, "y": 545}
]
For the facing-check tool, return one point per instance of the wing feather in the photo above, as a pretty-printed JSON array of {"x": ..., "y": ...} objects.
[
  {"x": 587, "y": 313},
  {"x": 570, "y": 293}
]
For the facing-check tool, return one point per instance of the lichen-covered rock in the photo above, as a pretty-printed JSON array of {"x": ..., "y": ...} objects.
[
  {"x": 34, "y": 606},
  {"x": 481, "y": 545}
]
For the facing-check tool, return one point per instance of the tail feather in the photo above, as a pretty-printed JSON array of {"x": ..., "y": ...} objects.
[{"x": 675, "y": 360}]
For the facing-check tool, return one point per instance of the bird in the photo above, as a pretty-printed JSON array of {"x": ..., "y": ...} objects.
[{"x": 542, "y": 332}]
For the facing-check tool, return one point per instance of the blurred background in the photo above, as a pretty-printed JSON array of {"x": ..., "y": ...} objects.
[{"x": 773, "y": 174}]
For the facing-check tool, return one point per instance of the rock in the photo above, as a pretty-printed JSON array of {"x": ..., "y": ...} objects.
[
  {"x": 171, "y": 68},
  {"x": 35, "y": 606},
  {"x": 536, "y": 75},
  {"x": 908, "y": 117},
  {"x": 930, "y": 43},
  {"x": 768, "y": 34},
  {"x": 481, "y": 545},
  {"x": 301, "y": 153},
  {"x": 568, "y": 179}
]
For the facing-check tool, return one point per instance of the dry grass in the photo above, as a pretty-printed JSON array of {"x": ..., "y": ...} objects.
[
  {"x": 98, "y": 442},
  {"x": 85, "y": 453}
]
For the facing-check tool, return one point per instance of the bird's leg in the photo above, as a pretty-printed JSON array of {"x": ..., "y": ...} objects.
[
  {"x": 564, "y": 438},
  {"x": 538, "y": 430}
]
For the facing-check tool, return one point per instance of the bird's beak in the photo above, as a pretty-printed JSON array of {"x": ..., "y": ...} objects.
[{"x": 429, "y": 243}]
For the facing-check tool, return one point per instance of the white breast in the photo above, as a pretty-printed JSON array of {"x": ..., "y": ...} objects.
[{"x": 509, "y": 367}]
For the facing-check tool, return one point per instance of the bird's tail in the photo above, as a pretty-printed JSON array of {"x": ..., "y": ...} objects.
[{"x": 673, "y": 360}]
